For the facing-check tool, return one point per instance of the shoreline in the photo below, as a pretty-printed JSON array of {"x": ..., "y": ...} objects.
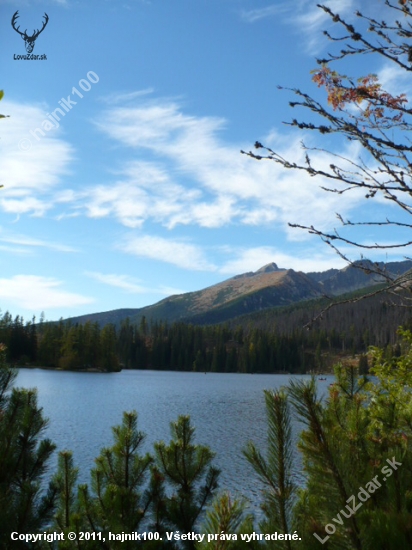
[{"x": 99, "y": 371}]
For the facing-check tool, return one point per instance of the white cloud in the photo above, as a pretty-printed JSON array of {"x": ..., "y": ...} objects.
[
  {"x": 38, "y": 293},
  {"x": 395, "y": 80},
  {"x": 31, "y": 163},
  {"x": 178, "y": 253},
  {"x": 30, "y": 242},
  {"x": 15, "y": 250},
  {"x": 124, "y": 282},
  {"x": 304, "y": 15},
  {"x": 24, "y": 205},
  {"x": 310, "y": 17},
  {"x": 170, "y": 290},
  {"x": 131, "y": 285},
  {"x": 251, "y": 16},
  {"x": 252, "y": 259},
  {"x": 228, "y": 260},
  {"x": 119, "y": 97},
  {"x": 146, "y": 192},
  {"x": 181, "y": 172},
  {"x": 195, "y": 177},
  {"x": 310, "y": 20}
]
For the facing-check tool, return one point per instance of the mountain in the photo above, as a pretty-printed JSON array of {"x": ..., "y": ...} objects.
[
  {"x": 269, "y": 286},
  {"x": 286, "y": 288},
  {"x": 340, "y": 281}
]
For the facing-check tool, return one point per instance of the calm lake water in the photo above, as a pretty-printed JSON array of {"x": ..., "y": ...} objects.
[{"x": 226, "y": 409}]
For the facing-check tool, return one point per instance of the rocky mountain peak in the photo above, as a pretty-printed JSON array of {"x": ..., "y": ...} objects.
[{"x": 268, "y": 268}]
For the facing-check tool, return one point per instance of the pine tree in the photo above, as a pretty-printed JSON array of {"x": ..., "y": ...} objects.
[
  {"x": 24, "y": 507},
  {"x": 119, "y": 500},
  {"x": 227, "y": 516},
  {"x": 186, "y": 469},
  {"x": 275, "y": 471},
  {"x": 69, "y": 517}
]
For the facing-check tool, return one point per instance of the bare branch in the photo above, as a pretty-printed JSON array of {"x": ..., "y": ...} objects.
[{"x": 327, "y": 237}]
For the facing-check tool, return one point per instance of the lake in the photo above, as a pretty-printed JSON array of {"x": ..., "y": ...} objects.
[{"x": 226, "y": 409}]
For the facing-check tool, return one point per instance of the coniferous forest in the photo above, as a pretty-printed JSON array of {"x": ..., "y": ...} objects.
[{"x": 275, "y": 341}]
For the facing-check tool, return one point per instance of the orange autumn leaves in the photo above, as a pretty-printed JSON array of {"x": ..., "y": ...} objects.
[{"x": 377, "y": 105}]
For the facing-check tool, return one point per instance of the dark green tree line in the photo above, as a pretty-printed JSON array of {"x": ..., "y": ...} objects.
[{"x": 275, "y": 342}]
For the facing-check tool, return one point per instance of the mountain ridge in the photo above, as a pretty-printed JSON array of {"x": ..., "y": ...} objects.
[{"x": 268, "y": 287}]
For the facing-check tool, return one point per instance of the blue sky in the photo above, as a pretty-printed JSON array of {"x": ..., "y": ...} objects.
[{"x": 140, "y": 191}]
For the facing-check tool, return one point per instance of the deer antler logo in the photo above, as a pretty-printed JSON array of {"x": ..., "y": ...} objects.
[{"x": 29, "y": 41}]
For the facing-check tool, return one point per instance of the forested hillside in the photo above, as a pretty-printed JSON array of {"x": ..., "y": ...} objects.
[
  {"x": 374, "y": 320},
  {"x": 275, "y": 340}
]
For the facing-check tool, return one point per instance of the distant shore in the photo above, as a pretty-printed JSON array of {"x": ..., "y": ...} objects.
[
  {"x": 87, "y": 369},
  {"x": 96, "y": 370}
]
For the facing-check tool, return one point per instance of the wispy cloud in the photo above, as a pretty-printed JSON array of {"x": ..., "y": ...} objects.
[
  {"x": 304, "y": 15},
  {"x": 30, "y": 243},
  {"x": 38, "y": 293},
  {"x": 227, "y": 260},
  {"x": 119, "y": 97},
  {"x": 145, "y": 191},
  {"x": 124, "y": 282},
  {"x": 16, "y": 250},
  {"x": 180, "y": 172},
  {"x": 187, "y": 174},
  {"x": 251, "y": 16},
  {"x": 309, "y": 17},
  {"x": 179, "y": 253},
  {"x": 170, "y": 290},
  {"x": 244, "y": 260},
  {"x": 310, "y": 20},
  {"x": 131, "y": 285},
  {"x": 30, "y": 177},
  {"x": 395, "y": 80}
]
